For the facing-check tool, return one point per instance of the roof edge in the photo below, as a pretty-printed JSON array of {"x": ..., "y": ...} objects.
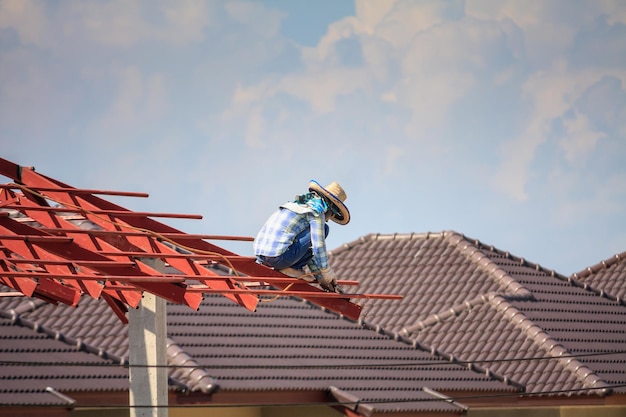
[
  {"x": 472, "y": 252},
  {"x": 384, "y": 236},
  {"x": 575, "y": 279},
  {"x": 437, "y": 318},
  {"x": 605, "y": 264},
  {"x": 584, "y": 374},
  {"x": 578, "y": 279},
  {"x": 178, "y": 357},
  {"x": 404, "y": 337},
  {"x": 351, "y": 401}
]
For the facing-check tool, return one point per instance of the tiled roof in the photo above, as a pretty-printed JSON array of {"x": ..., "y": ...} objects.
[
  {"x": 39, "y": 361},
  {"x": 608, "y": 276},
  {"x": 518, "y": 325},
  {"x": 476, "y": 303},
  {"x": 286, "y": 344}
]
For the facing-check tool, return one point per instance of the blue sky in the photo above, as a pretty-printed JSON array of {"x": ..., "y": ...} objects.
[{"x": 502, "y": 120}]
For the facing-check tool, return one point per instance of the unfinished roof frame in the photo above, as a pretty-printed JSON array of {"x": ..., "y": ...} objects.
[{"x": 44, "y": 253}]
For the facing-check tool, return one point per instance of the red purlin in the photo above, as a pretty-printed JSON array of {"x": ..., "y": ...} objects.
[{"x": 44, "y": 254}]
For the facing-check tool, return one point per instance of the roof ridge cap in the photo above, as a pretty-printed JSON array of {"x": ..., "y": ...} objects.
[
  {"x": 605, "y": 264},
  {"x": 404, "y": 337},
  {"x": 553, "y": 348},
  {"x": 476, "y": 256},
  {"x": 601, "y": 292},
  {"x": 200, "y": 378},
  {"x": 575, "y": 279},
  {"x": 28, "y": 306},
  {"x": 578, "y": 279},
  {"x": 411, "y": 235},
  {"x": 371, "y": 237},
  {"x": 444, "y": 315}
]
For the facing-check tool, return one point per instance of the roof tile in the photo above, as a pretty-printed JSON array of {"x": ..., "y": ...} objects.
[
  {"x": 286, "y": 344},
  {"x": 466, "y": 301}
]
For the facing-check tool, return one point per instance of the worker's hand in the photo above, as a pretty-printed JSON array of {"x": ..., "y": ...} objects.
[{"x": 329, "y": 280}]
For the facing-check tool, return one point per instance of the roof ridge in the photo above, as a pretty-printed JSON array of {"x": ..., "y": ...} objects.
[
  {"x": 517, "y": 318},
  {"x": 195, "y": 372},
  {"x": 403, "y": 337},
  {"x": 553, "y": 348},
  {"x": 574, "y": 279},
  {"x": 384, "y": 236},
  {"x": 29, "y": 305},
  {"x": 476, "y": 256},
  {"x": 605, "y": 264},
  {"x": 577, "y": 279},
  {"x": 440, "y": 317},
  {"x": 596, "y": 290}
]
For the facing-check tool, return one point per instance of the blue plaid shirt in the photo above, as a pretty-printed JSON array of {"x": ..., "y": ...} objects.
[{"x": 284, "y": 225}]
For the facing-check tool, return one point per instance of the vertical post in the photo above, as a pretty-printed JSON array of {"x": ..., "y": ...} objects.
[{"x": 147, "y": 333}]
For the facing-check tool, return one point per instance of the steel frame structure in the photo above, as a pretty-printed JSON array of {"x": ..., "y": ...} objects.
[{"x": 45, "y": 253}]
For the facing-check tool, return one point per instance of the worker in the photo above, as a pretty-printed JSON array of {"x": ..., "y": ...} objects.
[{"x": 293, "y": 239}]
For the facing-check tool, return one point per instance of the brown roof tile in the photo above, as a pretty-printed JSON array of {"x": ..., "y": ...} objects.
[
  {"x": 284, "y": 345},
  {"x": 473, "y": 302},
  {"x": 464, "y": 302},
  {"x": 53, "y": 364},
  {"x": 608, "y": 276}
]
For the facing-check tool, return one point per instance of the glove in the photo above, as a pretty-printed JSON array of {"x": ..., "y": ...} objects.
[{"x": 329, "y": 281}]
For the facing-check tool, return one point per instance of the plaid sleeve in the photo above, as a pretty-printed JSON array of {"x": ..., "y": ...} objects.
[{"x": 318, "y": 242}]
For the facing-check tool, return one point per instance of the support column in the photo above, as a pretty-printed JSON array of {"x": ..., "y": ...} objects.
[{"x": 147, "y": 333}]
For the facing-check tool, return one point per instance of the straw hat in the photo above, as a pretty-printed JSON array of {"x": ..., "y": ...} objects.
[{"x": 334, "y": 195}]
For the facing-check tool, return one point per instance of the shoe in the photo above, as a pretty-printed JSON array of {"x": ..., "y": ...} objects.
[{"x": 297, "y": 273}]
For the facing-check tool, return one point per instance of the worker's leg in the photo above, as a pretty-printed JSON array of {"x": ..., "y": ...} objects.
[
  {"x": 298, "y": 254},
  {"x": 304, "y": 251}
]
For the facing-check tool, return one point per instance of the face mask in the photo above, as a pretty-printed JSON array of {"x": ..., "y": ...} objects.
[{"x": 313, "y": 200}]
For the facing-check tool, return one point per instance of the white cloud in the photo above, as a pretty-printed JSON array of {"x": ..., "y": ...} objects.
[
  {"x": 550, "y": 95},
  {"x": 27, "y": 18},
  {"x": 321, "y": 89},
  {"x": 324, "y": 54},
  {"x": 404, "y": 19},
  {"x": 257, "y": 19},
  {"x": 391, "y": 158},
  {"x": 371, "y": 13},
  {"x": 596, "y": 196},
  {"x": 550, "y": 27},
  {"x": 255, "y": 128},
  {"x": 139, "y": 101},
  {"x": 187, "y": 20},
  {"x": 580, "y": 139},
  {"x": 429, "y": 97},
  {"x": 614, "y": 10},
  {"x": 115, "y": 23},
  {"x": 407, "y": 66}
]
